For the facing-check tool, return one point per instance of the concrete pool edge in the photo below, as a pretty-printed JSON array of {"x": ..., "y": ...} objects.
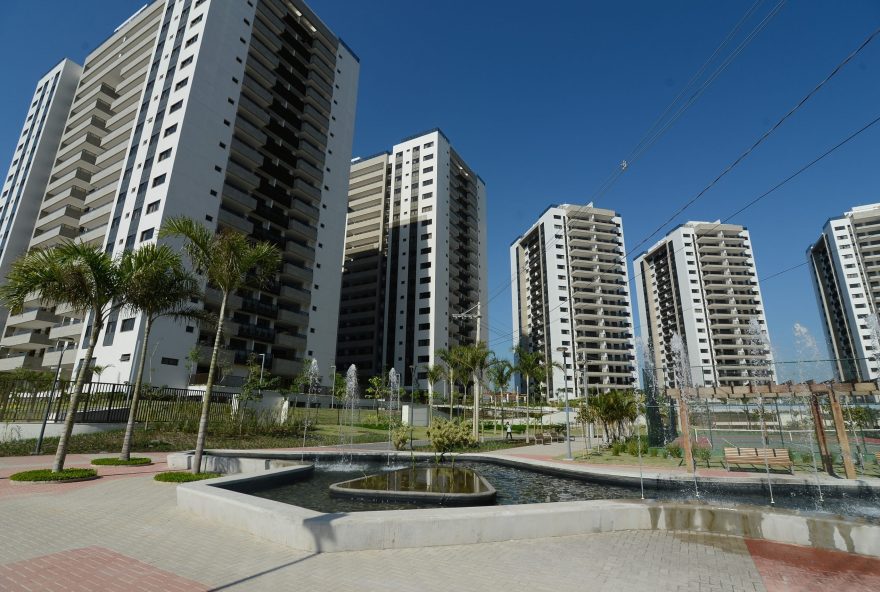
[{"x": 309, "y": 530}]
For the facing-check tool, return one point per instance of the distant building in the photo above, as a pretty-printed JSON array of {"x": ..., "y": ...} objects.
[
  {"x": 700, "y": 283},
  {"x": 571, "y": 290},
  {"x": 237, "y": 114},
  {"x": 415, "y": 255},
  {"x": 845, "y": 267}
]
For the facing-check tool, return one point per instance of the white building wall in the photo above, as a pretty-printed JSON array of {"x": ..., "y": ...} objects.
[{"x": 24, "y": 185}]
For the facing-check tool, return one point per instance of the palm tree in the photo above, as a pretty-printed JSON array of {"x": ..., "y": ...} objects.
[
  {"x": 500, "y": 372},
  {"x": 229, "y": 260},
  {"x": 452, "y": 359},
  {"x": 155, "y": 285},
  {"x": 79, "y": 276},
  {"x": 434, "y": 373},
  {"x": 528, "y": 365},
  {"x": 475, "y": 359}
]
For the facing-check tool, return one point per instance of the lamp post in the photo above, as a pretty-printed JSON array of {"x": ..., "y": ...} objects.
[
  {"x": 564, "y": 352},
  {"x": 333, "y": 386},
  {"x": 39, "y": 444}
]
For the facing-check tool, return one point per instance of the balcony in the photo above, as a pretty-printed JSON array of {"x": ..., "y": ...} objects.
[
  {"x": 54, "y": 236},
  {"x": 32, "y": 319},
  {"x": 27, "y": 341},
  {"x": 259, "y": 333},
  {"x": 20, "y": 361},
  {"x": 66, "y": 215},
  {"x": 68, "y": 331}
]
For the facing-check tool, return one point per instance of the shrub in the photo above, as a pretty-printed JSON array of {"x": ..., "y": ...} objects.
[
  {"x": 617, "y": 448},
  {"x": 184, "y": 476},
  {"x": 652, "y": 452},
  {"x": 807, "y": 457},
  {"x": 673, "y": 449},
  {"x": 116, "y": 462},
  {"x": 703, "y": 453},
  {"x": 400, "y": 437},
  {"x": 664, "y": 453},
  {"x": 48, "y": 476},
  {"x": 447, "y": 436}
]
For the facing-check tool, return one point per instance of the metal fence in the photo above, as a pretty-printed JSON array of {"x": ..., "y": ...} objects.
[{"x": 102, "y": 402}]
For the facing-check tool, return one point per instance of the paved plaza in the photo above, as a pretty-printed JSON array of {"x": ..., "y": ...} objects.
[{"x": 124, "y": 532}]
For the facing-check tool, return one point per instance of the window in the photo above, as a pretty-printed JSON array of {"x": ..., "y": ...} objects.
[
  {"x": 164, "y": 154},
  {"x": 147, "y": 234},
  {"x": 425, "y": 310},
  {"x": 186, "y": 62},
  {"x": 169, "y": 130},
  {"x": 124, "y": 357},
  {"x": 181, "y": 84},
  {"x": 427, "y": 169},
  {"x": 191, "y": 40},
  {"x": 427, "y": 182},
  {"x": 153, "y": 207},
  {"x": 175, "y": 106},
  {"x": 170, "y": 361},
  {"x": 428, "y": 145},
  {"x": 196, "y": 20},
  {"x": 159, "y": 180},
  {"x": 127, "y": 325},
  {"x": 427, "y": 157}
]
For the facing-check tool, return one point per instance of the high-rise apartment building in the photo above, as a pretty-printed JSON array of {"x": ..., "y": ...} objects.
[
  {"x": 570, "y": 290},
  {"x": 238, "y": 114},
  {"x": 23, "y": 187},
  {"x": 845, "y": 267},
  {"x": 700, "y": 282},
  {"x": 415, "y": 256}
]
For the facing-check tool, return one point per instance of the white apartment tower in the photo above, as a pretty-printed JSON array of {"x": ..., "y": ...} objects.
[
  {"x": 236, "y": 113},
  {"x": 570, "y": 290},
  {"x": 415, "y": 255},
  {"x": 845, "y": 267},
  {"x": 700, "y": 282}
]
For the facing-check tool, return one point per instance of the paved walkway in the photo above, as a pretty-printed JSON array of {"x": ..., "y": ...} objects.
[{"x": 124, "y": 532}]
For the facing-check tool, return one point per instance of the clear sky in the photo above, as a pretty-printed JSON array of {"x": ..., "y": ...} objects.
[{"x": 545, "y": 103}]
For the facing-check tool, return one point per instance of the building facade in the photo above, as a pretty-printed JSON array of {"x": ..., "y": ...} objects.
[
  {"x": 571, "y": 290},
  {"x": 415, "y": 256},
  {"x": 236, "y": 114},
  {"x": 700, "y": 283},
  {"x": 845, "y": 267}
]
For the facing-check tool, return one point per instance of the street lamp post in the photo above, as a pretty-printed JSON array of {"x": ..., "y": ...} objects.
[
  {"x": 39, "y": 444},
  {"x": 564, "y": 352}
]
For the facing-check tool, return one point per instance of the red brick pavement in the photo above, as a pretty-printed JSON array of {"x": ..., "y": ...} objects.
[
  {"x": 790, "y": 568},
  {"x": 91, "y": 568},
  {"x": 10, "y": 465}
]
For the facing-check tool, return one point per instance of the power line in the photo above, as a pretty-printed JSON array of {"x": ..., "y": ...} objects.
[
  {"x": 765, "y": 135},
  {"x": 632, "y": 278},
  {"x": 652, "y": 134}
]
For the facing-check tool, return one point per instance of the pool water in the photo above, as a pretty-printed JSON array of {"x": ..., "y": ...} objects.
[{"x": 523, "y": 486}]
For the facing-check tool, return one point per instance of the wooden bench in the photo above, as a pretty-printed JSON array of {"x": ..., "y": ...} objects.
[
  {"x": 758, "y": 457},
  {"x": 877, "y": 457},
  {"x": 544, "y": 438}
]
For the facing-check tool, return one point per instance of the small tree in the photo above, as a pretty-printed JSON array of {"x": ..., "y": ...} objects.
[
  {"x": 256, "y": 381},
  {"x": 193, "y": 357},
  {"x": 376, "y": 390}
]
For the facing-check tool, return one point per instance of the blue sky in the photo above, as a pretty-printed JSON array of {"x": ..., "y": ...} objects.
[{"x": 544, "y": 104}]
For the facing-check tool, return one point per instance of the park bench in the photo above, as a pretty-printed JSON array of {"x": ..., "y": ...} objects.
[
  {"x": 544, "y": 438},
  {"x": 877, "y": 457},
  {"x": 758, "y": 457}
]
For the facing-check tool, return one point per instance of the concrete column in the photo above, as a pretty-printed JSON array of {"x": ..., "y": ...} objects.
[{"x": 842, "y": 437}]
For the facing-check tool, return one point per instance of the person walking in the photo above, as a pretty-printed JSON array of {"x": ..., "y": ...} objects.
[{"x": 509, "y": 431}]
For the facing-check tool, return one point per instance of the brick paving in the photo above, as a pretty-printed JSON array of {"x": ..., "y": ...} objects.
[{"x": 125, "y": 532}]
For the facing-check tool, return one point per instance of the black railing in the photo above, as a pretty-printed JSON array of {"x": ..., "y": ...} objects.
[{"x": 101, "y": 402}]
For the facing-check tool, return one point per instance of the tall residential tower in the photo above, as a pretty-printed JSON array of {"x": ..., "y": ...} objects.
[
  {"x": 238, "y": 114},
  {"x": 570, "y": 290},
  {"x": 700, "y": 283},
  {"x": 415, "y": 256},
  {"x": 845, "y": 267}
]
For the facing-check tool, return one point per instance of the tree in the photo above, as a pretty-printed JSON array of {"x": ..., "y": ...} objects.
[
  {"x": 499, "y": 374},
  {"x": 528, "y": 365},
  {"x": 193, "y": 357},
  {"x": 433, "y": 373},
  {"x": 229, "y": 260},
  {"x": 156, "y": 285},
  {"x": 376, "y": 390},
  {"x": 256, "y": 381},
  {"x": 452, "y": 359},
  {"x": 75, "y": 275},
  {"x": 475, "y": 359}
]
